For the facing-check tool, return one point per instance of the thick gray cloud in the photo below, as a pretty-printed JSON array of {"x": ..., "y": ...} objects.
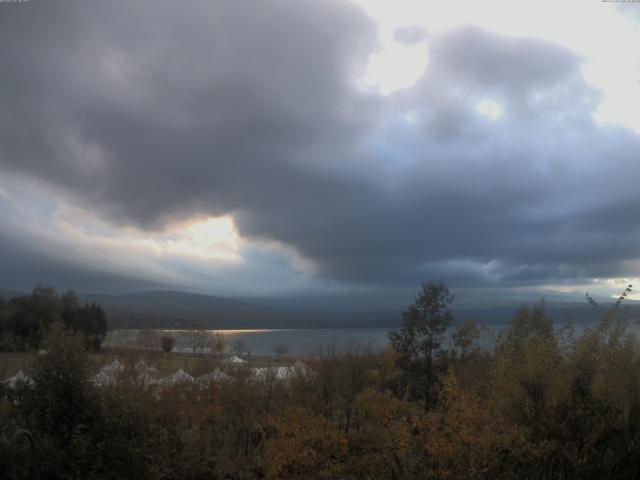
[
  {"x": 410, "y": 35},
  {"x": 155, "y": 111},
  {"x": 533, "y": 197},
  {"x": 23, "y": 267}
]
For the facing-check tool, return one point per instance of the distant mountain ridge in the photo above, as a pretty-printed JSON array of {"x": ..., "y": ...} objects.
[{"x": 176, "y": 309}]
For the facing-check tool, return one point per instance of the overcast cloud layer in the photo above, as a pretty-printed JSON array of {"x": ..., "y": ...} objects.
[{"x": 489, "y": 171}]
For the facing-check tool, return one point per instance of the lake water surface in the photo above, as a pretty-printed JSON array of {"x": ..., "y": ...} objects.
[
  {"x": 301, "y": 341},
  {"x": 262, "y": 342}
]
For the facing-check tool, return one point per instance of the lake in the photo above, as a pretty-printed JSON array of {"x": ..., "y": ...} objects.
[
  {"x": 262, "y": 342},
  {"x": 302, "y": 341}
]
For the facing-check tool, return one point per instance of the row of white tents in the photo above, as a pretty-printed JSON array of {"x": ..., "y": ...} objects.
[
  {"x": 280, "y": 373},
  {"x": 147, "y": 376}
]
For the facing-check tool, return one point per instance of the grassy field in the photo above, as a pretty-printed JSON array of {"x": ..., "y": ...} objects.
[{"x": 12, "y": 362}]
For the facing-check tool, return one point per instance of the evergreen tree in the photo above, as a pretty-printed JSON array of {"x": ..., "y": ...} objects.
[{"x": 421, "y": 337}]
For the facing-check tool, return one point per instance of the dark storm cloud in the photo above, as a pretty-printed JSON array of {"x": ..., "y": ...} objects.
[
  {"x": 150, "y": 111},
  {"x": 515, "y": 65},
  {"x": 153, "y": 107}
]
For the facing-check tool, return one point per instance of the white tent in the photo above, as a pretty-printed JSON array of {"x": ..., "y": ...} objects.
[
  {"x": 280, "y": 373},
  {"x": 302, "y": 369},
  {"x": 178, "y": 377},
  {"x": 108, "y": 375},
  {"x": 297, "y": 369},
  {"x": 276, "y": 373},
  {"x": 260, "y": 374},
  {"x": 17, "y": 379},
  {"x": 235, "y": 359},
  {"x": 285, "y": 373},
  {"x": 146, "y": 375},
  {"x": 216, "y": 376}
]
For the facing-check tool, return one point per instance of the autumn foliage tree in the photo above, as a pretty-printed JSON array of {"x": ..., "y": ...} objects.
[
  {"x": 465, "y": 338},
  {"x": 303, "y": 445},
  {"x": 167, "y": 343}
]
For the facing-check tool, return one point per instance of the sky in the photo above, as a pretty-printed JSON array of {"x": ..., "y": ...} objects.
[{"x": 327, "y": 147}]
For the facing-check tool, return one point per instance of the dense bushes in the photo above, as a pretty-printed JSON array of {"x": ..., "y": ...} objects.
[{"x": 539, "y": 404}]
